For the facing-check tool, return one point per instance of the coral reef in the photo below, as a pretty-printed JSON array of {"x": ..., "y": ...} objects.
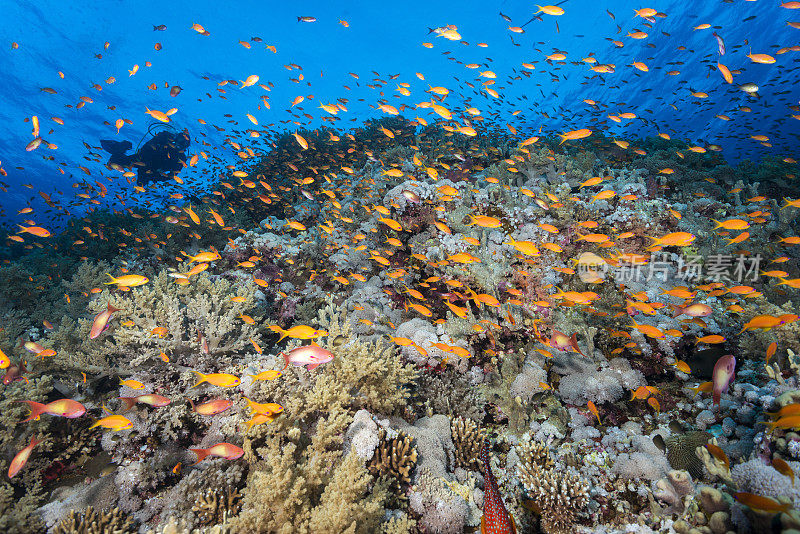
[
  {"x": 564, "y": 301},
  {"x": 93, "y": 522},
  {"x": 557, "y": 496},
  {"x": 681, "y": 451},
  {"x": 216, "y": 507},
  {"x": 394, "y": 459},
  {"x": 467, "y": 442}
]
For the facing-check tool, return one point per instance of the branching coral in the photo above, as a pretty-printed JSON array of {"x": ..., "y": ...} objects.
[
  {"x": 557, "y": 495},
  {"x": 309, "y": 489},
  {"x": 96, "y": 522},
  {"x": 203, "y": 307},
  {"x": 452, "y": 392},
  {"x": 535, "y": 453},
  {"x": 394, "y": 458},
  {"x": 467, "y": 440},
  {"x": 204, "y": 494},
  {"x": 347, "y": 505},
  {"x": 216, "y": 506},
  {"x": 362, "y": 375},
  {"x": 18, "y": 515},
  {"x": 297, "y": 465}
]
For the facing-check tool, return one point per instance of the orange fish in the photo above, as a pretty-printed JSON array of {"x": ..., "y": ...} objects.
[
  {"x": 223, "y": 380},
  {"x": 783, "y": 468},
  {"x": 38, "y": 231},
  {"x": 719, "y": 454},
  {"x": 574, "y": 134},
  {"x": 21, "y": 458},
  {"x": 61, "y": 408},
  {"x": 101, "y": 321},
  {"x": 764, "y": 504},
  {"x": 593, "y": 409},
  {"x": 220, "y": 450}
]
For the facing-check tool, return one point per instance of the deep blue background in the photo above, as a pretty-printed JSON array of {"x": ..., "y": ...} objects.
[{"x": 384, "y": 37}]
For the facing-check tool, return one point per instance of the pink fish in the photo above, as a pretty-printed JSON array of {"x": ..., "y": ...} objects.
[
  {"x": 203, "y": 340},
  {"x": 496, "y": 519},
  {"x": 21, "y": 458},
  {"x": 220, "y": 450},
  {"x": 310, "y": 355},
  {"x": 100, "y": 322},
  {"x": 157, "y": 401},
  {"x": 692, "y": 310},
  {"x": 212, "y": 407},
  {"x": 31, "y": 346},
  {"x": 61, "y": 408},
  {"x": 562, "y": 341},
  {"x": 722, "y": 376},
  {"x": 720, "y": 43}
]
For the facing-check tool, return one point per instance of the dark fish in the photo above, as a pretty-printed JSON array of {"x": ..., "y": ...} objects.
[
  {"x": 14, "y": 372},
  {"x": 159, "y": 28},
  {"x": 658, "y": 441},
  {"x": 306, "y": 19},
  {"x": 675, "y": 427},
  {"x": 505, "y": 17}
]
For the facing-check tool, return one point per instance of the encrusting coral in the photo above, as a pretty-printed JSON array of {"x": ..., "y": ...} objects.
[{"x": 673, "y": 489}]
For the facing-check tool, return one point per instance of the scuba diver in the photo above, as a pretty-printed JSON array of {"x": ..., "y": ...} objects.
[{"x": 159, "y": 159}]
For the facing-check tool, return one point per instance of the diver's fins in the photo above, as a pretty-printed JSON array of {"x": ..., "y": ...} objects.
[{"x": 115, "y": 147}]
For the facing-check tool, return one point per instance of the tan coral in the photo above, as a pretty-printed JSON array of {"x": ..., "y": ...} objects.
[
  {"x": 179, "y": 526},
  {"x": 556, "y": 495},
  {"x": 708, "y": 512},
  {"x": 216, "y": 506},
  {"x": 93, "y": 522},
  {"x": 396, "y": 458},
  {"x": 715, "y": 467},
  {"x": 533, "y": 452},
  {"x": 673, "y": 490},
  {"x": 467, "y": 439}
]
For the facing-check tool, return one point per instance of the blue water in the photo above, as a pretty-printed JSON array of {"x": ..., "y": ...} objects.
[{"x": 383, "y": 39}]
